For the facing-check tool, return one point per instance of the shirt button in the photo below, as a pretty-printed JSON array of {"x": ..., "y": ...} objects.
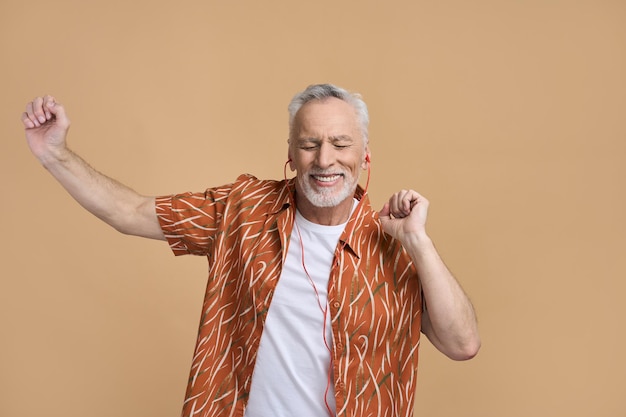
[{"x": 337, "y": 304}]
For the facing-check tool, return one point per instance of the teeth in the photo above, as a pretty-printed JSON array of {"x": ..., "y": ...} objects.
[{"x": 327, "y": 178}]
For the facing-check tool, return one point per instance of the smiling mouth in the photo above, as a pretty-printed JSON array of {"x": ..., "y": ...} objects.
[{"x": 326, "y": 178}]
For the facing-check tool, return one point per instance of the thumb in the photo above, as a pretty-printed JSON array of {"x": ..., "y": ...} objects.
[
  {"x": 384, "y": 212},
  {"x": 58, "y": 111}
]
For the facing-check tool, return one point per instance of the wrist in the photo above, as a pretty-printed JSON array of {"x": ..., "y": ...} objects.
[
  {"x": 54, "y": 156},
  {"x": 418, "y": 241}
]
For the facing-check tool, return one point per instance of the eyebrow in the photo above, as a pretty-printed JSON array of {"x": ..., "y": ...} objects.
[{"x": 340, "y": 138}]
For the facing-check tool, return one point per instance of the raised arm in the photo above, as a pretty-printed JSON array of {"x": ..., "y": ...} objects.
[
  {"x": 449, "y": 320},
  {"x": 46, "y": 125}
]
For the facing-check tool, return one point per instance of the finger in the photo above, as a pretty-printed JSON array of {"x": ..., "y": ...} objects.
[
  {"x": 58, "y": 111},
  {"x": 27, "y": 122},
  {"x": 384, "y": 212},
  {"x": 396, "y": 203},
  {"x": 38, "y": 111},
  {"x": 393, "y": 204},
  {"x": 30, "y": 114},
  {"x": 48, "y": 103},
  {"x": 411, "y": 198},
  {"x": 419, "y": 205},
  {"x": 405, "y": 204},
  {"x": 402, "y": 208}
]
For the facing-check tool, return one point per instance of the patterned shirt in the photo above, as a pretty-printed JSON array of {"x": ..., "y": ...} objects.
[{"x": 374, "y": 298}]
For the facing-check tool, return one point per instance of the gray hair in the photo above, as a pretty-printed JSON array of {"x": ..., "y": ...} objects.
[{"x": 324, "y": 91}]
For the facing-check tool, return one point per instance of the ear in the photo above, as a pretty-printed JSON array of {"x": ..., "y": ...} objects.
[
  {"x": 368, "y": 158},
  {"x": 292, "y": 167}
]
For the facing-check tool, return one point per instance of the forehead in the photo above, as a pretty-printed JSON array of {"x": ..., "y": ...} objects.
[{"x": 328, "y": 117}]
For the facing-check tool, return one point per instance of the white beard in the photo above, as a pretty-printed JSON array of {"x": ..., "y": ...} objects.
[{"x": 327, "y": 197}]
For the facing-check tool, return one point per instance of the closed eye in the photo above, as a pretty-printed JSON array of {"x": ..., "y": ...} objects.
[{"x": 342, "y": 142}]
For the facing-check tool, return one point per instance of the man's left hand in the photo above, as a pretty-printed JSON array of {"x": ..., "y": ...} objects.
[{"x": 404, "y": 215}]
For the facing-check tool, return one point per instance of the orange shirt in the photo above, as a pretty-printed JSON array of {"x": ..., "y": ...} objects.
[{"x": 374, "y": 296}]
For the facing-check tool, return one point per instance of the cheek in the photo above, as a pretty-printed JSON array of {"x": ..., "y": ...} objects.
[
  {"x": 358, "y": 162},
  {"x": 302, "y": 160}
]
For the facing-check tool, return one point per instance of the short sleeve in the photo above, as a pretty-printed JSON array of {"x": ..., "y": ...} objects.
[{"x": 190, "y": 220}]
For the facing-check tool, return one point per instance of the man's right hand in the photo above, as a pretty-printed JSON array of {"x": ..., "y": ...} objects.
[{"x": 46, "y": 126}]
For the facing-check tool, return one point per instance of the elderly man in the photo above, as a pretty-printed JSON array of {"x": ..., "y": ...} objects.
[{"x": 314, "y": 302}]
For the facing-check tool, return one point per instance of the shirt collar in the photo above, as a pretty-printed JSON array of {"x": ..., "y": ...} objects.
[
  {"x": 351, "y": 235},
  {"x": 360, "y": 218}
]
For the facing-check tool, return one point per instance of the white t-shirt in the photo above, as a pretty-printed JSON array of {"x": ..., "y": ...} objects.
[{"x": 292, "y": 371}]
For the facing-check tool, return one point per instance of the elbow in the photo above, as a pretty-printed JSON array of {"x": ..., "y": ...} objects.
[
  {"x": 119, "y": 223},
  {"x": 467, "y": 350},
  {"x": 459, "y": 343}
]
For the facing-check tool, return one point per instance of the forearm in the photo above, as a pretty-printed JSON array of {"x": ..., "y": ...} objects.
[
  {"x": 449, "y": 320},
  {"x": 114, "y": 203}
]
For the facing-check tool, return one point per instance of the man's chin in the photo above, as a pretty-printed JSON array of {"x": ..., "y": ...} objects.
[{"x": 326, "y": 199}]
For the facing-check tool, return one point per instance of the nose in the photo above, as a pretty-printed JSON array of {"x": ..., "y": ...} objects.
[{"x": 325, "y": 155}]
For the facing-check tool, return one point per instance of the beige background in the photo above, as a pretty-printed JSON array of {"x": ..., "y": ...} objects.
[{"x": 508, "y": 115}]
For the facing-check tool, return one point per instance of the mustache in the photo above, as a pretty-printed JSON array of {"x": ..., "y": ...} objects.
[{"x": 316, "y": 171}]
